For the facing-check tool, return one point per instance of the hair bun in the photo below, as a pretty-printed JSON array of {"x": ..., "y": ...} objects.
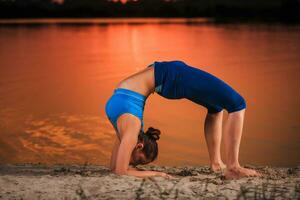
[{"x": 153, "y": 133}]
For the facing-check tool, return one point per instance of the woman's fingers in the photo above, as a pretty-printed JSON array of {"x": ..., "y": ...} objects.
[{"x": 167, "y": 175}]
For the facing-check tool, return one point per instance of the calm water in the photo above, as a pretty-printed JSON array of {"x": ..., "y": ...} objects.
[{"x": 56, "y": 78}]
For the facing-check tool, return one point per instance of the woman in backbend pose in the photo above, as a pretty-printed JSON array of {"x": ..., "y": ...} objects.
[{"x": 175, "y": 80}]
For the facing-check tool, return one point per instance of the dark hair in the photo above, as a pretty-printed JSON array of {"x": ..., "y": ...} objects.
[{"x": 149, "y": 138}]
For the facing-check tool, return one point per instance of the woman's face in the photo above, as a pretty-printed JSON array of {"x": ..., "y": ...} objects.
[{"x": 137, "y": 157}]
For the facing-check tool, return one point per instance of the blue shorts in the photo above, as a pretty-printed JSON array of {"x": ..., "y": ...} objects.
[
  {"x": 125, "y": 101},
  {"x": 176, "y": 80}
]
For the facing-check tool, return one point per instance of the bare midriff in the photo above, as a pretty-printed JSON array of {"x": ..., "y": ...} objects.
[{"x": 142, "y": 82}]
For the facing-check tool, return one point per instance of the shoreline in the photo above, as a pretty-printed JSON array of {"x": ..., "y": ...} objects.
[{"x": 59, "y": 181}]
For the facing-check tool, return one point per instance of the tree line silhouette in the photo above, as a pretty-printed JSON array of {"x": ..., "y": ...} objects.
[{"x": 279, "y": 10}]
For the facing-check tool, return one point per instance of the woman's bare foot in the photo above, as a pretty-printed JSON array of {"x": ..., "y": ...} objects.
[
  {"x": 240, "y": 172},
  {"x": 218, "y": 167}
]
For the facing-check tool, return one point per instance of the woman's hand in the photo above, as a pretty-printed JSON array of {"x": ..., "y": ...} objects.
[
  {"x": 132, "y": 168},
  {"x": 165, "y": 175}
]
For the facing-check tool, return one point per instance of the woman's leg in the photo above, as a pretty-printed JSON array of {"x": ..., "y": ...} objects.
[
  {"x": 213, "y": 136},
  {"x": 232, "y": 138}
]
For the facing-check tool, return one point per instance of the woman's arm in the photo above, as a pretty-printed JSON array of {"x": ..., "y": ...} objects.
[
  {"x": 129, "y": 129},
  {"x": 127, "y": 145},
  {"x": 143, "y": 173},
  {"x": 114, "y": 154},
  {"x": 132, "y": 171}
]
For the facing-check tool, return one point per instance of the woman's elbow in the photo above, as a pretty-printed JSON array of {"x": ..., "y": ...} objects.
[
  {"x": 119, "y": 171},
  {"x": 112, "y": 169}
]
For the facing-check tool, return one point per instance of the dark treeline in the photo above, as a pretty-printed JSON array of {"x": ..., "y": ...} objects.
[{"x": 278, "y": 10}]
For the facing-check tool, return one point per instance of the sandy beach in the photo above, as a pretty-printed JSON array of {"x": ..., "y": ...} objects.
[{"x": 39, "y": 181}]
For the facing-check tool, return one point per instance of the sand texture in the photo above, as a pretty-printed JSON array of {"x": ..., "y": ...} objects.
[{"x": 38, "y": 181}]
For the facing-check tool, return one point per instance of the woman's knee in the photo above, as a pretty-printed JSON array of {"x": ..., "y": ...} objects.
[
  {"x": 214, "y": 115},
  {"x": 241, "y": 105}
]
